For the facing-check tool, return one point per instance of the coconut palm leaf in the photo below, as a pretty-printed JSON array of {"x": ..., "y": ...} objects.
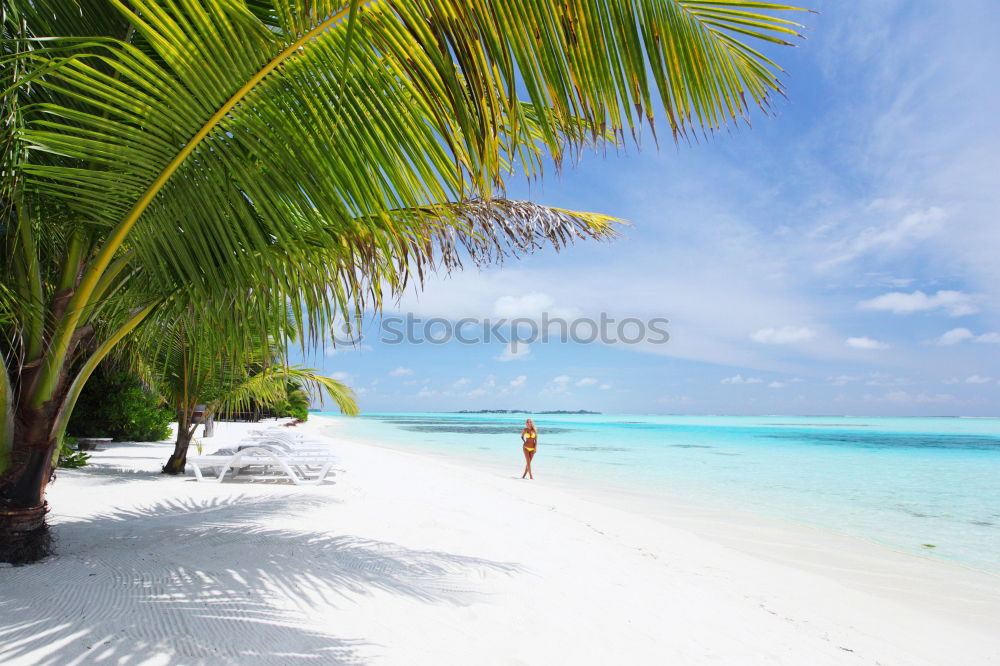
[
  {"x": 181, "y": 136},
  {"x": 270, "y": 386}
]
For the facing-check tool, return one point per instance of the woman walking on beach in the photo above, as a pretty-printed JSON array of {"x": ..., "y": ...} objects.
[{"x": 529, "y": 441}]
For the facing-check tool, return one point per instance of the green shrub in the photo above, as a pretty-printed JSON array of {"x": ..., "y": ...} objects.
[
  {"x": 69, "y": 457},
  {"x": 115, "y": 404},
  {"x": 296, "y": 405}
]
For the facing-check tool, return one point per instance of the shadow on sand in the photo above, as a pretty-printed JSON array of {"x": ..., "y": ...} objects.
[{"x": 201, "y": 582}]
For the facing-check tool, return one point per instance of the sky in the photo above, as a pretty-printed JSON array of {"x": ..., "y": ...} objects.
[{"x": 840, "y": 256}]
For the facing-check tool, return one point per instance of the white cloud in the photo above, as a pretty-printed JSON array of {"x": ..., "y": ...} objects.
[
  {"x": 955, "y": 303},
  {"x": 976, "y": 379},
  {"x": 841, "y": 380},
  {"x": 902, "y": 397},
  {"x": 488, "y": 386},
  {"x": 958, "y": 335},
  {"x": 528, "y": 305},
  {"x": 586, "y": 381},
  {"x": 531, "y": 306},
  {"x": 604, "y": 387},
  {"x": 776, "y": 385},
  {"x": 937, "y": 397},
  {"x": 897, "y": 397},
  {"x": 519, "y": 351},
  {"x": 913, "y": 228},
  {"x": 740, "y": 379},
  {"x": 883, "y": 379},
  {"x": 785, "y": 335},
  {"x": 401, "y": 372},
  {"x": 460, "y": 382},
  {"x": 955, "y": 336},
  {"x": 866, "y": 343},
  {"x": 518, "y": 381},
  {"x": 426, "y": 393},
  {"x": 345, "y": 377},
  {"x": 559, "y": 384}
]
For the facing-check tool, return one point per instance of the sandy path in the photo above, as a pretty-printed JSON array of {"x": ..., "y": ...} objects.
[{"x": 405, "y": 560}]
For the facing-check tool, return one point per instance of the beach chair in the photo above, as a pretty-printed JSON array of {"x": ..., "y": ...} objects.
[
  {"x": 289, "y": 442},
  {"x": 301, "y": 468},
  {"x": 277, "y": 434},
  {"x": 285, "y": 448}
]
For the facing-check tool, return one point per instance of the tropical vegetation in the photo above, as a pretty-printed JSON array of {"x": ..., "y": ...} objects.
[
  {"x": 198, "y": 381},
  {"x": 296, "y": 402},
  {"x": 316, "y": 156},
  {"x": 115, "y": 403},
  {"x": 69, "y": 457}
]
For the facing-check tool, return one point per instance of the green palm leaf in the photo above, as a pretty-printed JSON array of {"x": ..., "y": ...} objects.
[
  {"x": 187, "y": 130},
  {"x": 269, "y": 386}
]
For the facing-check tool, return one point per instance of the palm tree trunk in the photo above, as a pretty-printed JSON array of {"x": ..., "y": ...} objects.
[
  {"x": 36, "y": 432},
  {"x": 24, "y": 535},
  {"x": 178, "y": 459},
  {"x": 185, "y": 431}
]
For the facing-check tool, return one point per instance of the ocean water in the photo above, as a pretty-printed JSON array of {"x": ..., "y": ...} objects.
[{"x": 929, "y": 485}]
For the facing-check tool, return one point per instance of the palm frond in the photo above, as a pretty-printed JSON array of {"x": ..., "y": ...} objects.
[
  {"x": 269, "y": 386},
  {"x": 218, "y": 133}
]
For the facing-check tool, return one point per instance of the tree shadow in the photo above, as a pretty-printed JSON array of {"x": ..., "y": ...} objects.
[
  {"x": 258, "y": 477},
  {"x": 109, "y": 473},
  {"x": 156, "y": 449},
  {"x": 200, "y": 581}
]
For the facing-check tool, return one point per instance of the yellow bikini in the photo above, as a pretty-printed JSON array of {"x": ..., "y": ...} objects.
[{"x": 530, "y": 435}]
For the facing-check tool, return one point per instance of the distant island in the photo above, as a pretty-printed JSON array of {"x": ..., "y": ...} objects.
[{"x": 522, "y": 411}]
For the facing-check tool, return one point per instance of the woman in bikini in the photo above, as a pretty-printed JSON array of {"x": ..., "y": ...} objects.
[{"x": 529, "y": 442}]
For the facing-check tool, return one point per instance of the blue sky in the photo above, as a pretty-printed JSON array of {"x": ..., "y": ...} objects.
[{"x": 840, "y": 257}]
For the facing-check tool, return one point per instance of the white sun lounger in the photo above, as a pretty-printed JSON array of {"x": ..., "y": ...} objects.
[
  {"x": 277, "y": 434},
  {"x": 302, "y": 469},
  {"x": 284, "y": 448}
]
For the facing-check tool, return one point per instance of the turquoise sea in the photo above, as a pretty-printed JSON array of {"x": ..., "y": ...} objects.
[{"x": 910, "y": 483}]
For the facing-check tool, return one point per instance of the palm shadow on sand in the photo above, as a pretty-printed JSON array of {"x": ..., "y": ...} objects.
[{"x": 198, "y": 582}]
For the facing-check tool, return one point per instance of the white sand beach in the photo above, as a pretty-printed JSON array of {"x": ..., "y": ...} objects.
[{"x": 401, "y": 558}]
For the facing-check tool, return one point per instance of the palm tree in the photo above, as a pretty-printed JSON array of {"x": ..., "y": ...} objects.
[
  {"x": 297, "y": 401},
  {"x": 248, "y": 369},
  {"x": 324, "y": 154}
]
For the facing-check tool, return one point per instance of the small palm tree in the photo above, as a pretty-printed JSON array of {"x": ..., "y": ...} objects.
[
  {"x": 322, "y": 154},
  {"x": 249, "y": 369},
  {"x": 297, "y": 401}
]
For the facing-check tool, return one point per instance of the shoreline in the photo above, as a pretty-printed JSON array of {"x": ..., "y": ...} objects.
[
  {"x": 670, "y": 502},
  {"x": 927, "y": 487},
  {"x": 406, "y": 559},
  {"x": 854, "y": 561}
]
